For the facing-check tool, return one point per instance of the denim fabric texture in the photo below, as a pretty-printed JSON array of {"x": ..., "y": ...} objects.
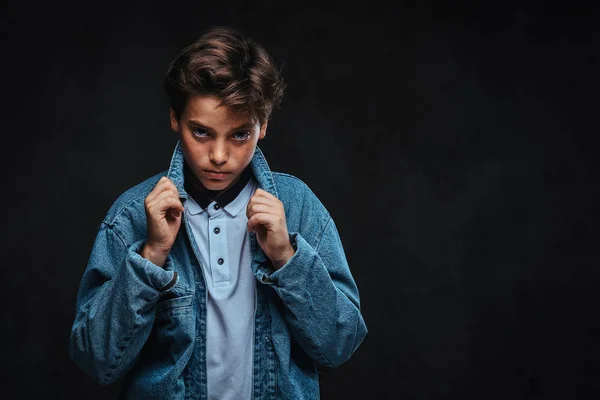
[{"x": 147, "y": 324}]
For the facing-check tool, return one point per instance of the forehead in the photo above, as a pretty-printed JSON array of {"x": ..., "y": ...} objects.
[{"x": 207, "y": 110}]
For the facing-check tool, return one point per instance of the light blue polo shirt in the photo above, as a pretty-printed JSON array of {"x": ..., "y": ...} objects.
[{"x": 224, "y": 247}]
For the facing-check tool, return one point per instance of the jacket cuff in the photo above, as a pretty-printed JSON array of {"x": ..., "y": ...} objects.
[
  {"x": 148, "y": 273},
  {"x": 303, "y": 251}
]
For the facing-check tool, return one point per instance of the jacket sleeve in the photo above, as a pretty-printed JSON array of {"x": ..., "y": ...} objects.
[
  {"x": 115, "y": 306},
  {"x": 321, "y": 298}
]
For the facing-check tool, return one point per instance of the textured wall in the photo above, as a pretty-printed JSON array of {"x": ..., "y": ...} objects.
[{"x": 453, "y": 145}]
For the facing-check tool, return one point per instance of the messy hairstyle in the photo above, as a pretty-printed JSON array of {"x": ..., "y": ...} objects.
[{"x": 225, "y": 64}]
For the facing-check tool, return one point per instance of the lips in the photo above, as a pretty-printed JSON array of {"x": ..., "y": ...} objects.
[{"x": 216, "y": 174}]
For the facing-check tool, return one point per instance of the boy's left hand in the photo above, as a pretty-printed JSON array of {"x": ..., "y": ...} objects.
[{"x": 266, "y": 218}]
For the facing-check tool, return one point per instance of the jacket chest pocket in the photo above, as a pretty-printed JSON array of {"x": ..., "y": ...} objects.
[
  {"x": 172, "y": 337},
  {"x": 158, "y": 375},
  {"x": 178, "y": 305},
  {"x": 174, "y": 328}
]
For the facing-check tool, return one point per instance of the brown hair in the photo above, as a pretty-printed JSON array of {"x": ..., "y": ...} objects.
[{"x": 229, "y": 66}]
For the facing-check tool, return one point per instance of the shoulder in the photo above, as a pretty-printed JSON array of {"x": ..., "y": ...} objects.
[
  {"x": 292, "y": 189},
  {"x": 130, "y": 202},
  {"x": 302, "y": 205},
  {"x": 287, "y": 182}
]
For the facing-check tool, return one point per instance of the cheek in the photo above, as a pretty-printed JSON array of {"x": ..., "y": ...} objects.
[
  {"x": 247, "y": 153},
  {"x": 192, "y": 150}
]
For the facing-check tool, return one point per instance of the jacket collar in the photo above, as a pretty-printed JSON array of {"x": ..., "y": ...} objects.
[
  {"x": 262, "y": 173},
  {"x": 259, "y": 165}
]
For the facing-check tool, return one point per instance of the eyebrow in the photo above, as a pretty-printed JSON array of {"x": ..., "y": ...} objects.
[{"x": 247, "y": 125}]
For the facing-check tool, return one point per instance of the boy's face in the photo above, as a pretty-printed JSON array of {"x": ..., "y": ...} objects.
[{"x": 217, "y": 143}]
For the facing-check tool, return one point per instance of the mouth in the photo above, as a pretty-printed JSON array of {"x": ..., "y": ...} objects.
[{"x": 216, "y": 174}]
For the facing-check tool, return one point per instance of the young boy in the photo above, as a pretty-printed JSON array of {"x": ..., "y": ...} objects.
[{"x": 217, "y": 279}]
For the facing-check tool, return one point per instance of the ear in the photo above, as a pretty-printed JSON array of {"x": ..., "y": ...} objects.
[
  {"x": 263, "y": 131},
  {"x": 174, "y": 121}
]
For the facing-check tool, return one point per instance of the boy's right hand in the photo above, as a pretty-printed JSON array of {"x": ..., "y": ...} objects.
[{"x": 163, "y": 215}]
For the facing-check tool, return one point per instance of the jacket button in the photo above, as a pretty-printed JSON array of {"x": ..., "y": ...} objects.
[
  {"x": 220, "y": 261},
  {"x": 267, "y": 339},
  {"x": 216, "y": 230},
  {"x": 217, "y": 206}
]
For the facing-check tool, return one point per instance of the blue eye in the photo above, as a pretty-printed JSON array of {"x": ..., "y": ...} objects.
[
  {"x": 241, "y": 135},
  {"x": 199, "y": 132}
]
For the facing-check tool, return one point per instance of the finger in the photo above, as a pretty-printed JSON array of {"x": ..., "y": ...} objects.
[
  {"x": 163, "y": 184},
  {"x": 167, "y": 191},
  {"x": 265, "y": 199},
  {"x": 164, "y": 195},
  {"x": 263, "y": 193},
  {"x": 161, "y": 205},
  {"x": 169, "y": 212},
  {"x": 166, "y": 183},
  {"x": 158, "y": 204},
  {"x": 262, "y": 208},
  {"x": 269, "y": 221},
  {"x": 272, "y": 201},
  {"x": 175, "y": 213}
]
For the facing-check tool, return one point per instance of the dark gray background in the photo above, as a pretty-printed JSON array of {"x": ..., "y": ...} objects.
[{"x": 453, "y": 144}]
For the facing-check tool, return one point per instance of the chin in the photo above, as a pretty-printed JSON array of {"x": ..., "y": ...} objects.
[{"x": 211, "y": 185}]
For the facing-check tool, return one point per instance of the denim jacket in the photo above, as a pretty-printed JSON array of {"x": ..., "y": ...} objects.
[{"x": 147, "y": 324}]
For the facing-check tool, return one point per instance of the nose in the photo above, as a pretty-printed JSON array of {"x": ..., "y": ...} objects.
[{"x": 218, "y": 153}]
